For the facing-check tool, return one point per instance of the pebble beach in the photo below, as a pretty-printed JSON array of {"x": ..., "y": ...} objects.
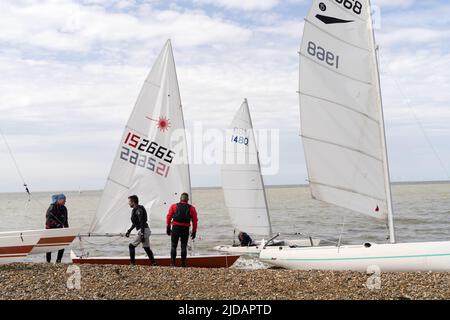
[{"x": 49, "y": 282}]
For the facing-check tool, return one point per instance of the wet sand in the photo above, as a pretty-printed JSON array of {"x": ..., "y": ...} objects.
[{"x": 43, "y": 281}]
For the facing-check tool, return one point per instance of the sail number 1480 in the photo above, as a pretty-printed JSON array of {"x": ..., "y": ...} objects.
[{"x": 323, "y": 55}]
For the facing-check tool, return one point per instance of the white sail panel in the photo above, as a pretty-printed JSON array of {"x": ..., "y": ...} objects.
[
  {"x": 242, "y": 182},
  {"x": 337, "y": 88},
  {"x": 249, "y": 220},
  {"x": 243, "y": 179},
  {"x": 352, "y": 30},
  {"x": 254, "y": 199},
  {"x": 352, "y": 64},
  {"x": 341, "y": 109},
  {"x": 149, "y": 163},
  {"x": 353, "y": 131}
]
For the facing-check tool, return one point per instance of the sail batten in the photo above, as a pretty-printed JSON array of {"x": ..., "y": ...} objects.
[
  {"x": 340, "y": 109},
  {"x": 337, "y": 72},
  {"x": 343, "y": 147},
  {"x": 342, "y": 106},
  {"x": 335, "y": 37},
  {"x": 119, "y": 184},
  {"x": 346, "y": 190}
]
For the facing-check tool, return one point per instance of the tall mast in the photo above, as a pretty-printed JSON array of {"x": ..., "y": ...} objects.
[
  {"x": 387, "y": 179},
  {"x": 169, "y": 41},
  {"x": 259, "y": 166}
]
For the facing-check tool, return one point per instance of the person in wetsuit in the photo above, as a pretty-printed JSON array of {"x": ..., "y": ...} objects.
[
  {"x": 139, "y": 221},
  {"x": 179, "y": 220},
  {"x": 245, "y": 239},
  {"x": 57, "y": 217}
]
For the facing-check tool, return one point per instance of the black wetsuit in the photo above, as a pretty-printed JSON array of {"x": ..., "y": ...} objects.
[
  {"x": 245, "y": 239},
  {"x": 180, "y": 233},
  {"x": 56, "y": 218},
  {"x": 139, "y": 220}
]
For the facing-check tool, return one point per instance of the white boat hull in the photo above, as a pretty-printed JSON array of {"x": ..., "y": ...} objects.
[
  {"x": 15, "y": 245},
  {"x": 255, "y": 250},
  {"x": 410, "y": 257},
  {"x": 53, "y": 240}
]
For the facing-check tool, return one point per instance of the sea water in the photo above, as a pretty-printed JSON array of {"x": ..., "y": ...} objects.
[{"x": 422, "y": 213}]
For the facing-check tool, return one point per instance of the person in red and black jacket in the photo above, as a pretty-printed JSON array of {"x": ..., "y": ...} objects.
[
  {"x": 178, "y": 221},
  {"x": 55, "y": 218}
]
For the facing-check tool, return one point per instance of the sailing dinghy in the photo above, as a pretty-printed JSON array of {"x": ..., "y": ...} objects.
[
  {"x": 152, "y": 162},
  {"x": 344, "y": 141},
  {"x": 52, "y": 240},
  {"x": 244, "y": 190},
  {"x": 15, "y": 245},
  {"x": 19, "y": 244}
]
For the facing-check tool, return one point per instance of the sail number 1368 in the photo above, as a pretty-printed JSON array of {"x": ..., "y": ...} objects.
[
  {"x": 323, "y": 55},
  {"x": 356, "y": 6}
]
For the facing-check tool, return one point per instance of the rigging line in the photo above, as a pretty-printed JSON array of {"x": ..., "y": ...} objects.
[
  {"x": 419, "y": 122},
  {"x": 312, "y": 235},
  {"x": 386, "y": 225},
  {"x": 115, "y": 239},
  {"x": 342, "y": 232},
  {"x": 27, "y": 190}
]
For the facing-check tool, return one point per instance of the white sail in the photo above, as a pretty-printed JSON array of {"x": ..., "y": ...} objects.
[
  {"x": 152, "y": 158},
  {"x": 242, "y": 182},
  {"x": 341, "y": 111}
]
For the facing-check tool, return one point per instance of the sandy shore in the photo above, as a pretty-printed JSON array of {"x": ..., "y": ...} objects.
[{"x": 41, "y": 281}]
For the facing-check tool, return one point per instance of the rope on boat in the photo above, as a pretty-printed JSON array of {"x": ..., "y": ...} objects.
[
  {"x": 11, "y": 154},
  {"x": 311, "y": 235},
  {"x": 419, "y": 122},
  {"x": 114, "y": 240},
  {"x": 342, "y": 231}
]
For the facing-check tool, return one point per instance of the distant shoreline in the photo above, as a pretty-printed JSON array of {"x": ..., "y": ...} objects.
[
  {"x": 290, "y": 186},
  {"x": 287, "y": 186}
]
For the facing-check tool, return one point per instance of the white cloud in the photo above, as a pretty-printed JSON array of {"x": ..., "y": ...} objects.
[
  {"x": 71, "y": 73},
  {"x": 413, "y": 35},
  {"x": 69, "y": 26},
  {"x": 393, "y": 3},
  {"x": 242, "y": 4}
]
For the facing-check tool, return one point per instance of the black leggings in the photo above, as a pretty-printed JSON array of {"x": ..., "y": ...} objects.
[
  {"x": 58, "y": 259},
  {"x": 179, "y": 233}
]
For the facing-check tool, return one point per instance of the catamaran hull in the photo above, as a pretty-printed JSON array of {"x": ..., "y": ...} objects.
[
  {"x": 209, "y": 261},
  {"x": 411, "y": 257},
  {"x": 55, "y": 239},
  {"x": 17, "y": 244},
  {"x": 255, "y": 250}
]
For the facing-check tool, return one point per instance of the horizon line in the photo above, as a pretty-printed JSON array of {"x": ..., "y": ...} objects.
[{"x": 274, "y": 186}]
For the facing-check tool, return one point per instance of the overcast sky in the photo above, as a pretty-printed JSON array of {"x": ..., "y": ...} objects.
[{"x": 71, "y": 72}]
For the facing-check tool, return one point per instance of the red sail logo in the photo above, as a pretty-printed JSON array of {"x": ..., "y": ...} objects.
[{"x": 163, "y": 123}]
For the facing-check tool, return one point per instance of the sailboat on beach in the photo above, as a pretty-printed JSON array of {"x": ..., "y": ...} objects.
[
  {"x": 343, "y": 133},
  {"x": 244, "y": 190},
  {"x": 151, "y": 162}
]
